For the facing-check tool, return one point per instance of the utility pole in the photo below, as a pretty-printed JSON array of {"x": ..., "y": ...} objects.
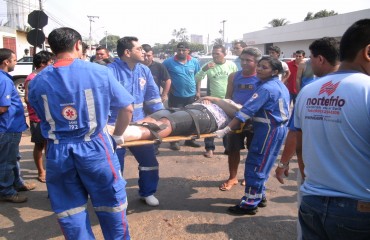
[
  {"x": 223, "y": 30},
  {"x": 90, "y": 37},
  {"x": 106, "y": 43}
]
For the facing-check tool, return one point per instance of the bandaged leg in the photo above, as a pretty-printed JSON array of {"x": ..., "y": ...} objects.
[{"x": 132, "y": 133}]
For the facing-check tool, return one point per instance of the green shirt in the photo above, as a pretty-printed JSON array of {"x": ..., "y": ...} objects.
[{"x": 217, "y": 77}]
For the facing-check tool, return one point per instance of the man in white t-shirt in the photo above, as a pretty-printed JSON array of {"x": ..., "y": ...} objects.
[{"x": 274, "y": 52}]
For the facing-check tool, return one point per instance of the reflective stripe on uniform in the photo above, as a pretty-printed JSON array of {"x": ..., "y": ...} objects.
[
  {"x": 252, "y": 196},
  {"x": 72, "y": 211},
  {"x": 284, "y": 117},
  {"x": 245, "y": 116},
  {"x": 137, "y": 105},
  {"x": 148, "y": 168},
  {"x": 261, "y": 120},
  {"x": 119, "y": 208},
  {"x": 49, "y": 119},
  {"x": 153, "y": 101},
  {"x": 89, "y": 96}
]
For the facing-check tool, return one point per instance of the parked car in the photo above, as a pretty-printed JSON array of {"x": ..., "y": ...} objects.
[
  {"x": 203, "y": 60},
  {"x": 22, "y": 69}
]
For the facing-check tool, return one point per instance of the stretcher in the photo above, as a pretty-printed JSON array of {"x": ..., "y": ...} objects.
[{"x": 167, "y": 139}]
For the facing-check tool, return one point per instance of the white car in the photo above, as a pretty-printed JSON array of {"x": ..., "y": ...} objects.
[
  {"x": 22, "y": 69},
  {"x": 203, "y": 60}
]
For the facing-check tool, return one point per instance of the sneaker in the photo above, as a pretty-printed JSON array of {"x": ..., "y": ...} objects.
[
  {"x": 16, "y": 198},
  {"x": 151, "y": 200},
  {"x": 26, "y": 187},
  {"x": 192, "y": 143},
  {"x": 175, "y": 146},
  {"x": 242, "y": 211},
  {"x": 263, "y": 203}
]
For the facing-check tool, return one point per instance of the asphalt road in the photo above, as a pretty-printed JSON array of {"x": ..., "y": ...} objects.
[{"x": 191, "y": 205}]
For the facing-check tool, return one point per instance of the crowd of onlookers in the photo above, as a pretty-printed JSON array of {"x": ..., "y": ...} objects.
[{"x": 318, "y": 106}]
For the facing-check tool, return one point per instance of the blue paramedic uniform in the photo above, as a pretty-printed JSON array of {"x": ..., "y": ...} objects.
[
  {"x": 12, "y": 124},
  {"x": 269, "y": 109},
  {"x": 139, "y": 83},
  {"x": 73, "y": 102}
]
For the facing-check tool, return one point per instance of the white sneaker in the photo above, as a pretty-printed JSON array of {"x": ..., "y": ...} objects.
[{"x": 151, "y": 200}]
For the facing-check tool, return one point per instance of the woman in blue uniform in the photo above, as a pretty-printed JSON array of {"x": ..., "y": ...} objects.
[{"x": 269, "y": 110}]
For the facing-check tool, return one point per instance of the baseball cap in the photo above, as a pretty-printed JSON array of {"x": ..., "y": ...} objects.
[{"x": 183, "y": 45}]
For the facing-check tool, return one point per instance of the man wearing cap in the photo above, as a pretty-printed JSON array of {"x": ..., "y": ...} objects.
[{"x": 182, "y": 69}]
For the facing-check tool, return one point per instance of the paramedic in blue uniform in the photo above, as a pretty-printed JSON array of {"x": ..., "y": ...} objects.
[
  {"x": 72, "y": 99},
  {"x": 138, "y": 81},
  {"x": 269, "y": 109}
]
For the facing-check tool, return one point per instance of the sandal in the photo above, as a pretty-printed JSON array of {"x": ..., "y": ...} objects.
[
  {"x": 41, "y": 178},
  {"x": 208, "y": 154},
  {"x": 227, "y": 186}
]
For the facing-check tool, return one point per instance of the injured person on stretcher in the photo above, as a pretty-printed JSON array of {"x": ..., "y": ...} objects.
[{"x": 206, "y": 115}]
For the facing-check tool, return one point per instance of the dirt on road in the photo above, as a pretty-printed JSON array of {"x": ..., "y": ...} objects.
[{"x": 191, "y": 205}]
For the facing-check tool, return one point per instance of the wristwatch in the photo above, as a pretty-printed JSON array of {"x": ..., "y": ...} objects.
[{"x": 283, "y": 165}]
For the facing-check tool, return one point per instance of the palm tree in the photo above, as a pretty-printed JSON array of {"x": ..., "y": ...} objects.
[
  {"x": 180, "y": 35},
  {"x": 218, "y": 41},
  {"x": 278, "y": 22},
  {"x": 319, "y": 14}
]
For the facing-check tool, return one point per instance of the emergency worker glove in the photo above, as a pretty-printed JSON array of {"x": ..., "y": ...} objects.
[{"x": 222, "y": 132}]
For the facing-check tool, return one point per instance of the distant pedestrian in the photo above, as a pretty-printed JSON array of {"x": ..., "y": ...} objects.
[{"x": 182, "y": 69}]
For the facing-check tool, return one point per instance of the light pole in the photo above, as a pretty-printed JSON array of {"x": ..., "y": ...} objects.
[
  {"x": 223, "y": 30},
  {"x": 106, "y": 43},
  {"x": 90, "y": 38}
]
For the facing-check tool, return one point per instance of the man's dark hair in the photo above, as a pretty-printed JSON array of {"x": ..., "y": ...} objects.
[
  {"x": 102, "y": 48},
  {"x": 5, "y": 54},
  {"x": 255, "y": 52},
  {"x": 125, "y": 43},
  {"x": 147, "y": 47},
  {"x": 275, "y": 49},
  {"x": 242, "y": 44},
  {"x": 42, "y": 57},
  {"x": 274, "y": 63},
  {"x": 327, "y": 47},
  {"x": 301, "y": 52},
  {"x": 84, "y": 47},
  {"x": 355, "y": 38},
  {"x": 63, "y": 39},
  {"x": 219, "y": 46}
]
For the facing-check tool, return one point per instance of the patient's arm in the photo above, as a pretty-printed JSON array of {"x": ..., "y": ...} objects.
[{"x": 227, "y": 105}]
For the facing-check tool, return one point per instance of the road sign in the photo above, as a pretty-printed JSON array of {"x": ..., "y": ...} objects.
[
  {"x": 35, "y": 37},
  {"x": 37, "y": 19}
]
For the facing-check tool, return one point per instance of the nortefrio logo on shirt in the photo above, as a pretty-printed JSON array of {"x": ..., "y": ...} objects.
[
  {"x": 328, "y": 88},
  {"x": 326, "y": 106}
]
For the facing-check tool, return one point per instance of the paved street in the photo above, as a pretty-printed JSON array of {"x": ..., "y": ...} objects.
[{"x": 191, "y": 206}]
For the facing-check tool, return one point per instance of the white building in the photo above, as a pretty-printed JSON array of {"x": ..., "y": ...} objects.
[{"x": 299, "y": 36}]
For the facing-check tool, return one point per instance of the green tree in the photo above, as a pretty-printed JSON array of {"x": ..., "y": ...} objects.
[
  {"x": 319, "y": 14},
  {"x": 110, "y": 41},
  {"x": 278, "y": 22}
]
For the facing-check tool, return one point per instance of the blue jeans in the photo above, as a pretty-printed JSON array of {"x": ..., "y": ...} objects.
[
  {"x": 334, "y": 218},
  {"x": 9, "y": 149}
]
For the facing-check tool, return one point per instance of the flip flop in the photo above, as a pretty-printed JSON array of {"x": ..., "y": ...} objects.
[
  {"x": 41, "y": 179},
  {"x": 226, "y": 186}
]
